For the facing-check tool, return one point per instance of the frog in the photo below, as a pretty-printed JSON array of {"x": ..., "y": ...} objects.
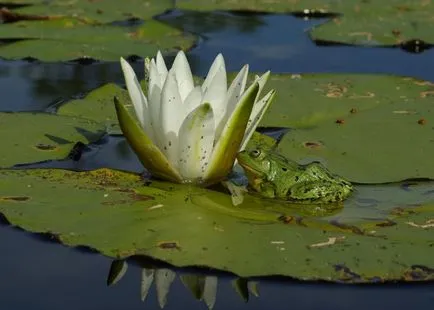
[{"x": 272, "y": 175}]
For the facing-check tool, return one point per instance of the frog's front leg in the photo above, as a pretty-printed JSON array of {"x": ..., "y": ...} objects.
[{"x": 268, "y": 190}]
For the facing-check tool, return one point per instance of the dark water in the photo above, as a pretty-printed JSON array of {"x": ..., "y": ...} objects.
[{"x": 36, "y": 274}]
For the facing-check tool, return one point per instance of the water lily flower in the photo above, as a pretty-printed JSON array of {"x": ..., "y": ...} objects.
[{"x": 188, "y": 133}]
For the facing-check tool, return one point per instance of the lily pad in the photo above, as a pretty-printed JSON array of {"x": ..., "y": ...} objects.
[
  {"x": 389, "y": 143},
  {"x": 379, "y": 23},
  {"x": 106, "y": 11},
  {"x": 97, "y": 105},
  {"x": 120, "y": 216},
  {"x": 281, "y": 6},
  {"x": 66, "y": 39},
  {"x": 306, "y": 100},
  {"x": 32, "y": 137}
]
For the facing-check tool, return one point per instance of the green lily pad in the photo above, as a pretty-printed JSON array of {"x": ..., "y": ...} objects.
[
  {"x": 379, "y": 23},
  {"x": 66, "y": 39},
  {"x": 32, "y": 137},
  {"x": 98, "y": 105},
  {"x": 101, "y": 11},
  {"x": 282, "y": 6},
  {"x": 306, "y": 100},
  {"x": 115, "y": 213},
  {"x": 390, "y": 143}
]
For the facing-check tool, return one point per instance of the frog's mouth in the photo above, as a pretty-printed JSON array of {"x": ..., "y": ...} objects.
[{"x": 251, "y": 173}]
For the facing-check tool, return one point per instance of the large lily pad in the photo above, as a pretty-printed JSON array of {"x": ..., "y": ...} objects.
[
  {"x": 379, "y": 23},
  {"x": 101, "y": 11},
  {"x": 32, "y": 137},
  {"x": 117, "y": 214},
  {"x": 368, "y": 129},
  {"x": 66, "y": 39},
  {"x": 305, "y": 100}
]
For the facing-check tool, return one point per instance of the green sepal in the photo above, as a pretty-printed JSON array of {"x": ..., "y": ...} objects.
[
  {"x": 230, "y": 140},
  {"x": 147, "y": 152}
]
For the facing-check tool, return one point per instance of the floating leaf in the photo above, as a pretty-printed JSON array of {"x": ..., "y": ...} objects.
[
  {"x": 67, "y": 39},
  {"x": 32, "y": 137},
  {"x": 379, "y": 23},
  {"x": 106, "y": 11},
  {"x": 188, "y": 226}
]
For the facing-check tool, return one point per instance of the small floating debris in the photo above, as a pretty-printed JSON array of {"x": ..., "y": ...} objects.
[{"x": 331, "y": 241}]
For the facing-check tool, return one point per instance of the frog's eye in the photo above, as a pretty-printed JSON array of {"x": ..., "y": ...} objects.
[{"x": 255, "y": 153}]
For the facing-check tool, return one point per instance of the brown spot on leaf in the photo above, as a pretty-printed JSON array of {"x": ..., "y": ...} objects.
[
  {"x": 386, "y": 223},
  {"x": 421, "y": 121},
  {"x": 349, "y": 228},
  {"x": 169, "y": 245},
  {"x": 46, "y": 147},
  {"x": 340, "y": 121},
  {"x": 286, "y": 219},
  {"x": 313, "y": 145},
  {"x": 396, "y": 32},
  {"x": 11, "y": 17},
  {"x": 14, "y": 198}
]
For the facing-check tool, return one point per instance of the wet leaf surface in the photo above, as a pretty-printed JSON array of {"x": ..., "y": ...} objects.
[
  {"x": 365, "y": 128},
  {"x": 69, "y": 39},
  {"x": 100, "y": 11},
  {"x": 33, "y": 137},
  {"x": 119, "y": 216}
]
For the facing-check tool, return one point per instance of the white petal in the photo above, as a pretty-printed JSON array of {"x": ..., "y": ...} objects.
[
  {"x": 262, "y": 80},
  {"x": 171, "y": 115},
  {"x": 183, "y": 75},
  {"x": 196, "y": 138},
  {"x": 138, "y": 99},
  {"x": 216, "y": 65},
  {"x": 154, "y": 96},
  {"x": 215, "y": 93},
  {"x": 161, "y": 66},
  {"x": 233, "y": 96},
  {"x": 193, "y": 100},
  {"x": 258, "y": 112}
]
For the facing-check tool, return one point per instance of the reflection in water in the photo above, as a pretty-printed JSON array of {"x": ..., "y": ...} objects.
[
  {"x": 27, "y": 86},
  {"x": 203, "y": 287}
]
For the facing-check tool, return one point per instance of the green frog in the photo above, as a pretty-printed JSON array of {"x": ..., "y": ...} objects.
[{"x": 274, "y": 176}]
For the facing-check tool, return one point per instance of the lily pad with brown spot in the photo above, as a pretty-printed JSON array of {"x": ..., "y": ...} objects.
[
  {"x": 200, "y": 227},
  {"x": 69, "y": 39},
  {"x": 96, "y": 11}
]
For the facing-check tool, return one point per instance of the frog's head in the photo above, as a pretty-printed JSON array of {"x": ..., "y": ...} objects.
[{"x": 255, "y": 162}]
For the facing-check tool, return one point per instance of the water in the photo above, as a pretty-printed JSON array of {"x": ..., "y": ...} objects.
[{"x": 44, "y": 275}]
